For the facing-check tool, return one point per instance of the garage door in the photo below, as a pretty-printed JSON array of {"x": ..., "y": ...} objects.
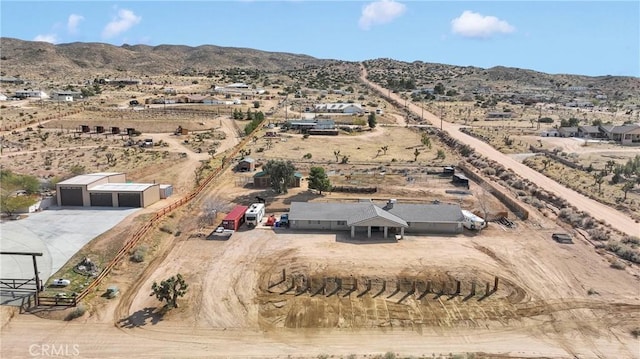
[
  {"x": 71, "y": 196},
  {"x": 101, "y": 199},
  {"x": 129, "y": 200}
]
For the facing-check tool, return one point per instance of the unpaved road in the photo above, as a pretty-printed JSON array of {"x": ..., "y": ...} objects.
[{"x": 598, "y": 210}]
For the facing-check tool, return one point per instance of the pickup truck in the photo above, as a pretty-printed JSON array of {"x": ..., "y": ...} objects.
[{"x": 284, "y": 220}]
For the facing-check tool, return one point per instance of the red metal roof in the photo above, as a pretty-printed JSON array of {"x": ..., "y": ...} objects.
[{"x": 236, "y": 212}]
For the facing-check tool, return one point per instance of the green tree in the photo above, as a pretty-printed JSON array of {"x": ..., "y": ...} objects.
[
  {"x": 169, "y": 290},
  {"x": 256, "y": 104},
  {"x": 372, "y": 120},
  {"x": 11, "y": 203},
  {"x": 13, "y": 181},
  {"x": 318, "y": 180},
  {"x": 438, "y": 89},
  {"x": 280, "y": 173}
]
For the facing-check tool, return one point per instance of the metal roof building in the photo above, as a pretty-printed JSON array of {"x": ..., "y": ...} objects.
[
  {"x": 106, "y": 189},
  {"x": 370, "y": 216}
]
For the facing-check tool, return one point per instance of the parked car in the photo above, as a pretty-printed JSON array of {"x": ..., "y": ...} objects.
[
  {"x": 562, "y": 238},
  {"x": 59, "y": 282}
]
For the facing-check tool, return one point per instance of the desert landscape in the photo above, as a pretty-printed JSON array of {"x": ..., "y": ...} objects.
[{"x": 507, "y": 291}]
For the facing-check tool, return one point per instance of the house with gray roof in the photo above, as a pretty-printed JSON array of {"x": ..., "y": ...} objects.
[{"x": 370, "y": 216}]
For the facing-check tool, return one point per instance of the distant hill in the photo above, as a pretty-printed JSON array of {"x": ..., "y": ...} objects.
[
  {"x": 30, "y": 59},
  {"x": 43, "y": 61}
]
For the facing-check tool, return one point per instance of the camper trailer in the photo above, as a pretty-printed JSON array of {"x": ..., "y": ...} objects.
[
  {"x": 473, "y": 222},
  {"x": 254, "y": 214}
]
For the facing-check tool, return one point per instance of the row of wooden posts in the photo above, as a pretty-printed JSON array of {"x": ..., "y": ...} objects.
[{"x": 328, "y": 286}]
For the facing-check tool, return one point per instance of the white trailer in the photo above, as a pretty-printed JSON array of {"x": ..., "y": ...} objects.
[
  {"x": 254, "y": 214},
  {"x": 473, "y": 222}
]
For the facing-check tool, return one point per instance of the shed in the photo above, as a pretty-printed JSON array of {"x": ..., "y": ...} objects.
[
  {"x": 235, "y": 218},
  {"x": 246, "y": 165},
  {"x": 166, "y": 190},
  {"x": 460, "y": 180}
]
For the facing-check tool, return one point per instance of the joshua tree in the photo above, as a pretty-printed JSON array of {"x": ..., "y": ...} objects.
[
  {"x": 416, "y": 153},
  {"x": 384, "y": 149},
  {"x": 546, "y": 163},
  {"x": 628, "y": 186},
  {"x": 337, "y": 154},
  {"x": 169, "y": 290},
  {"x": 599, "y": 179}
]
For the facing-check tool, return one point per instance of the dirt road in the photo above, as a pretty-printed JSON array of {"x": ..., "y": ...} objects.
[{"x": 599, "y": 211}]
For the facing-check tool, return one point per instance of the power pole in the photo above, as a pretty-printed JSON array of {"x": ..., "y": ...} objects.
[{"x": 441, "y": 115}]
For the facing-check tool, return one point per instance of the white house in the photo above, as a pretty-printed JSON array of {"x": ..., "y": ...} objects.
[
  {"x": 31, "y": 94},
  {"x": 338, "y": 108}
]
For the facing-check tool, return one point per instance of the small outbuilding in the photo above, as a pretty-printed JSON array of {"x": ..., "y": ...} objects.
[
  {"x": 246, "y": 164},
  {"x": 235, "y": 218},
  {"x": 459, "y": 179}
]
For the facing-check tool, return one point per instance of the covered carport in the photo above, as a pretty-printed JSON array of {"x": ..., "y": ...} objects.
[{"x": 375, "y": 217}]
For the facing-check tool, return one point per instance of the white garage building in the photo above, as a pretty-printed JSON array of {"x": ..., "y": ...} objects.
[{"x": 106, "y": 189}]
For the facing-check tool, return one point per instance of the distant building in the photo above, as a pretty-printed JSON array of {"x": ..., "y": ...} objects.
[
  {"x": 65, "y": 95},
  {"x": 338, "y": 108},
  {"x": 31, "y": 94}
]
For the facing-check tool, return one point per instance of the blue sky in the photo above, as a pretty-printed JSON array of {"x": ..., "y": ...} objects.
[{"x": 576, "y": 37}]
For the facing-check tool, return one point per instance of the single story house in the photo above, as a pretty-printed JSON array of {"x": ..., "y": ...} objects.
[
  {"x": 496, "y": 115},
  {"x": 625, "y": 134},
  {"x": 11, "y": 80},
  {"x": 550, "y": 132},
  {"x": 590, "y": 132},
  {"x": 348, "y": 108},
  {"x": 64, "y": 95},
  {"x": 568, "y": 131},
  {"x": 263, "y": 180},
  {"x": 31, "y": 94},
  {"x": 369, "y": 216},
  {"x": 106, "y": 189}
]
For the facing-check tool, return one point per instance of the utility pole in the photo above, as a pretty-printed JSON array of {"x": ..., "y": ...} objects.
[{"x": 441, "y": 115}]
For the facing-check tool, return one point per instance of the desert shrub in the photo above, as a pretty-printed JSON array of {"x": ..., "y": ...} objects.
[
  {"x": 634, "y": 241},
  {"x": 307, "y": 156},
  {"x": 166, "y": 229},
  {"x": 613, "y": 246},
  {"x": 635, "y": 332},
  {"x": 588, "y": 222},
  {"x": 618, "y": 264},
  {"x": 533, "y": 201},
  {"x": 545, "y": 120},
  {"x": 261, "y": 149},
  {"x": 77, "y": 312},
  {"x": 505, "y": 175},
  {"x": 489, "y": 171},
  {"x": 598, "y": 234},
  {"x": 139, "y": 254},
  {"x": 466, "y": 150},
  {"x": 592, "y": 291},
  {"x": 521, "y": 193},
  {"x": 305, "y": 136},
  {"x": 518, "y": 184},
  {"x": 389, "y": 355}
]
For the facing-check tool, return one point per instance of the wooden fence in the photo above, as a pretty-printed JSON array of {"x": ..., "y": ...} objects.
[{"x": 144, "y": 230}]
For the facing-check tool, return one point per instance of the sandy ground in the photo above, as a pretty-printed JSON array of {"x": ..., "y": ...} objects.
[{"x": 541, "y": 309}]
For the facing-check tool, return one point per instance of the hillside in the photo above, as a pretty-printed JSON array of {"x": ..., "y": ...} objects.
[{"x": 41, "y": 60}]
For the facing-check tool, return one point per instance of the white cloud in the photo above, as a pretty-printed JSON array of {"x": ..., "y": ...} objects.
[
  {"x": 121, "y": 23},
  {"x": 380, "y": 12},
  {"x": 474, "y": 25},
  {"x": 73, "y": 22},
  {"x": 52, "y": 38}
]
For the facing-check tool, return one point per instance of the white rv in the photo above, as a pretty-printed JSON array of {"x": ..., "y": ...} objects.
[
  {"x": 473, "y": 222},
  {"x": 254, "y": 214}
]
